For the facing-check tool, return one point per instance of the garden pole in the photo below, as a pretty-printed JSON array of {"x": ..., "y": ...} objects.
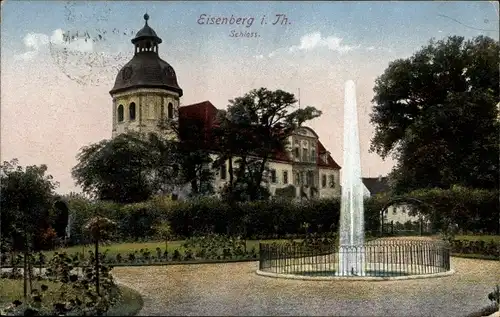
[{"x": 97, "y": 264}]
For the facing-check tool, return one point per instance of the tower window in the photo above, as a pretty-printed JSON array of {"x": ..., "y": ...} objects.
[
  {"x": 120, "y": 113},
  {"x": 170, "y": 110},
  {"x": 131, "y": 111}
]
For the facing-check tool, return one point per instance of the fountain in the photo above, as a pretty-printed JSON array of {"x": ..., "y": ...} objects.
[
  {"x": 352, "y": 233},
  {"x": 353, "y": 258}
]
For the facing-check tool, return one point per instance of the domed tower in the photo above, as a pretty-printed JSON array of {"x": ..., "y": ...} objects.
[{"x": 146, "y": 93}]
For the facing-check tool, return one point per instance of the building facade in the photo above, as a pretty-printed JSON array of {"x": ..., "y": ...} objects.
[{"x": 146, "y": 95}]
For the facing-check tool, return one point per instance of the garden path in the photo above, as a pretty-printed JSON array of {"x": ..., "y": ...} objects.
[{"x": 235, "y": 289}]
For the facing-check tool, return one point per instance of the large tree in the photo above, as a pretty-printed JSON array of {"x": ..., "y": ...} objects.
[
  {"x": 254, "y": 128},
  {"x": 436, "y": 113},
  {"x": 26, "y": 201},
  {"x": 193, "y": 155},
  {"x": 119, "y": 169},
  {"x": 26, "y": 204},
  {"x": 133, "y": 166}
]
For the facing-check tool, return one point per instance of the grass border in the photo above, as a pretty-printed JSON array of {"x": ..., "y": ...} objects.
[
  {"x": 208, "y": 261},
  {"x": 130, "y": 304},
  {"x": 476, "y": 256},
  {"x": 486, "y": 311}
]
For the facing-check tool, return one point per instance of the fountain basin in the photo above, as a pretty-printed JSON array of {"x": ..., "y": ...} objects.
[{"x": 383, "y": 260}]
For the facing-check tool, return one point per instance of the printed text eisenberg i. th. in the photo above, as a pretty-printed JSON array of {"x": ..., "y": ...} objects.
[{"x": 243, "y": 22}]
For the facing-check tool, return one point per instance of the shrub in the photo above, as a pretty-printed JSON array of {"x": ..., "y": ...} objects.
[
  {"x": 491, "y": 248},
  {"x": 463, "y": 208}
]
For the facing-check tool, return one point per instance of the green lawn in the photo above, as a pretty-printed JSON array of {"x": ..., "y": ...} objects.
[
  {"x": 11, "y": 289},
  {"x": 485, "y": 238},
  {"x": 129, "y": 304},
  {"x": 125, "y": 248}
]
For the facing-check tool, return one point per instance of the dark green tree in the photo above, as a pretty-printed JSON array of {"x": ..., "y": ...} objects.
[
  {"x": 26, "y": 202},
  {"x": 27, "y": 198},
  {"x": 254, "y": 128},
  {"x": 189, "y": 154},
  {"x": 119, "y": 169},
  {"x": 436, "y": 113}
]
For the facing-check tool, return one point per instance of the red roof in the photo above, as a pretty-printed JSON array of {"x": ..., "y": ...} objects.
[{"x": 206, "y": 112}]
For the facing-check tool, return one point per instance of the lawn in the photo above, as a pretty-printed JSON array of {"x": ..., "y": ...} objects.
[
  {"x": 125, "y": 248},
  {"x": 11, "y": 289},
  {"x": 485, "y": 238}
]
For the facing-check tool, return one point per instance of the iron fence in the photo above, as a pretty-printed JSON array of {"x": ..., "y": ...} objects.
[{"x": 374, "y": 258}]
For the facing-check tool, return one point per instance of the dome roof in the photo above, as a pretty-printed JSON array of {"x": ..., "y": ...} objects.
[
  {"x": 146, "y": 70},
  {"x": 146, "y": 31}
]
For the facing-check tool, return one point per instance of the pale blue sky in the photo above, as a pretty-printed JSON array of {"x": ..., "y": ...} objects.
[
  {"x": 53, "y": 104},
  {"x": 372, "y": 23}
]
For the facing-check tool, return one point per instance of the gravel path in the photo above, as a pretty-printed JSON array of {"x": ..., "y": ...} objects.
[{"x": 235, "y": 289}]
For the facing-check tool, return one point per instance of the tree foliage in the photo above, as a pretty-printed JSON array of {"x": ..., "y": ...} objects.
[
  {"x": 254, "y": 127},
  {"x": 27, "y": 197},
  {"x": 133, "y": 166},
  {"x": 119, "y": 169},
  {"x": 436, "y": 113}
]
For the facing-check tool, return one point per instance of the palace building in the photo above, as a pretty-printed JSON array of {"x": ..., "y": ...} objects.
[{"x": 146, "y": 93}]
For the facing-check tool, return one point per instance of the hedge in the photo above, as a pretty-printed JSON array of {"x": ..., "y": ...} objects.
[
  {"x": 273, "y": 218},
  {"x": 473, "y": 210}
]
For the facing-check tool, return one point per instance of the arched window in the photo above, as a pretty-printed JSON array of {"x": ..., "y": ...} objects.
[
  {"x": 131, "y": 111},
  {"x": 170, "y": 110},
  {"x": 120, "y": 113}
]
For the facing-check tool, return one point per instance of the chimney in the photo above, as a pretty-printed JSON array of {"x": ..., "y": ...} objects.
[{"x": 380, "y": 178}]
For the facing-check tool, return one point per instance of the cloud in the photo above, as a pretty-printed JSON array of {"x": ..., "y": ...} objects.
[
  {"x": 35, "y": 42},
  {"x": 314, "y": 40},
  {"x": 383, "y": 49}
]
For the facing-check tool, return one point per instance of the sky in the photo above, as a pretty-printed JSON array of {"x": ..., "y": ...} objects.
[{"x": 55, "y": 95}]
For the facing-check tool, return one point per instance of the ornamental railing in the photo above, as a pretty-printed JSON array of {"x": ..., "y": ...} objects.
[{"x": 375, "y": 258}]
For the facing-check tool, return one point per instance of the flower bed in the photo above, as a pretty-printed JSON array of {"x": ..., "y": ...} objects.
[
  {"x": 64, "y": 289},
  {"x": 211, "y": 248}
]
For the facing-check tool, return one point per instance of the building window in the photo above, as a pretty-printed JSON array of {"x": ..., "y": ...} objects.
[
  {"x": 332, "y": 181},
  {"x": 170, "y": 110},
  {"x": 296, "y": 153},
  {"x": 313, "y": 155},
  {"x": 223, "y": 171},
  {"x": 285, "y": 177},
  {"x": 323, "y": 180},
  {"x": 131, "y": 111},
  {"x": 310, "y": 178},
  {"x": 120, "y": 113},
  {"x": 304, "y": 155},
  {"x": 273, "y": 176}
]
